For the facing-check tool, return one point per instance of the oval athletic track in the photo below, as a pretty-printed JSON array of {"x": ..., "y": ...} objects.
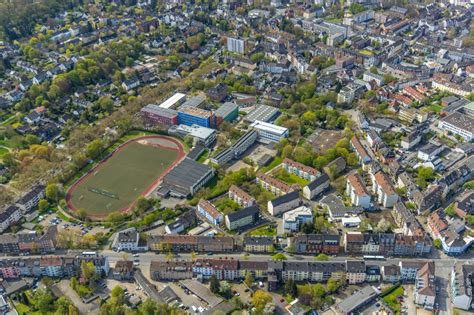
[{"x": 178, "y": 148}]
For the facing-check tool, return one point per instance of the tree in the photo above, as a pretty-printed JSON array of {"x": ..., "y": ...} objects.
[
  {"x": 332, "y": 285},
  {"x": 260, "y": 299},
  {"x": 74, "y": 283},
  {"x": 53, "y": 192},
  {"x": 106, "y": 104},
  {"x": 214, "y": 284},
  {"x": 225, "y": 289},
  {"x": 249, "y": 279},
  {"x": 94, "y": 149},
  {"x": 81, "y": 213},
  {"x": 424, "y": 174},
  {"x": 290, "y": 288},
  {"x": 383, "y": 226},
  {"x": 388, "y": 78},
  {"x": 87, "y": 271},
  {"x": 44, "y": 300},
  {"x": 62, "y": 306},
  {"x": 142, "y": 204},
  {"x": 437, "y": 243},
  {"x": 43, "y": 204},
  {"x": 279, "y": 256},
  {"x": 147, "y": 307},
  {"x": 322, "y": 257},
  {"x": 450, "y": 210}
]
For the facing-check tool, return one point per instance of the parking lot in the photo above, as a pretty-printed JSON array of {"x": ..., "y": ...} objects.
[
  {"x": 187, "y": 298},
  {"x": 53, "y": 219},
  {"x": 131, "y": 288},
  {"x": 241, "y": 290}
]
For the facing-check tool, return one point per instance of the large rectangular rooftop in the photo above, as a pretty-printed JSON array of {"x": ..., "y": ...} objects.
[{"x": 263, "y": 113}]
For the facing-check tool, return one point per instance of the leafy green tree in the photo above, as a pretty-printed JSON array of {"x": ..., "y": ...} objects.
[
  {"x": 437, "y": 243},
  {"x": 88, "y": 271},
  {"x": 279, "y": 256},
  {"x": 259, "y": 299},
  {"x": 290, "y": 288},
  {"x": 54, "y": 192},
  {"x": 94, "y": 149},
  {"x": 249, "y": 279},
  {"x": 450, "y": 211},
  {"x": 424, "y": 174},
  {"x": 322, "y": 257},
  {"x": 332, "y": 285},
  {"x": 44, "y": 301},
  {"x": 43, "y": 204},
  {"x": 81, "y": 213},
  {"x": 106, "y": 103},
  {"x": 214, "y": 284}
]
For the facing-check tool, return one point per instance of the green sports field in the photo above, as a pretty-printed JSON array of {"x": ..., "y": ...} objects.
[{"x": 118, "y": 181}]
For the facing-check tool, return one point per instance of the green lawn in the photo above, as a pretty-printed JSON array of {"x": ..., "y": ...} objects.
[
  {"x": 265, "y": 230},
  {"x": 290, "y": 178},
  {"x": 202, "y": 158},
  {"x": 226, "y": 205},
  {"x": 392, "y": 301},
  {"x": 276, "y": 161},
  {"x": 119, "y": 181},
  {"x": 23, "y": 309},
  {"x": 435, "y": 108}
]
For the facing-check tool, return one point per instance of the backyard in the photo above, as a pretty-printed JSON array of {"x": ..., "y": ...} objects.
[
  {"x": 393, "y": 301},
  {"x": 266, "y": 230},
  {"x": 289, "y": 178}
]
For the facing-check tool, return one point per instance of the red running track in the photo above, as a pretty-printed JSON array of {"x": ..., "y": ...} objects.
[{"x": 181, "y": 154}]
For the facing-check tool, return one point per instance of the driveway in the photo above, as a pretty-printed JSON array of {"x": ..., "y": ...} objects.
[
  {"x": 64, "y": 287},
  {"x": 409, "y": 299}
]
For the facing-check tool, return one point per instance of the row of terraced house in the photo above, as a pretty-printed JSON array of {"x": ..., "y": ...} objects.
[
  {"x": 396, "y": 244},
  {"x": 52, "y": 266}
]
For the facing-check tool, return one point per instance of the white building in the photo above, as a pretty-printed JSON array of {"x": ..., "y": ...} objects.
[
  {"x": 31, "y": 198},
  {"x": 461, "y": 286},
  {"x": 425, "y": 286},
  {"x": 10, "y": 215},
  {"x": 429, "y": 152},
  {"x": 269, "y": 132},
  {"x": 386, "y": 195},
  {"x": 459, "y": 124},
  {"x": 203, "y": 135},
  {"x": 128, "y": 240},
  {"x": 293, "y": 219},
  {"x": 236, "y": 45},
  {"x": 209, "y": 212},
  {"x": 284, "y": 203},
  {"x": 174, "y": 101},
  {"x": 357, "y": 191}
]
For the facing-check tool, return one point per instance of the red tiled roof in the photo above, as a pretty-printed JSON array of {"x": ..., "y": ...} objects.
[
  {"x": 357, "y": 184},
  {"x": 383, "y": 181}
]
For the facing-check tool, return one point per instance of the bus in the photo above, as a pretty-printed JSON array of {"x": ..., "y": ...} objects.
[{"x": 370, "y": 257}]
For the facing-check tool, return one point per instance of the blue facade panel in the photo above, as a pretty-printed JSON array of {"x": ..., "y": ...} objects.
[{"x": 189, "y": 120}]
